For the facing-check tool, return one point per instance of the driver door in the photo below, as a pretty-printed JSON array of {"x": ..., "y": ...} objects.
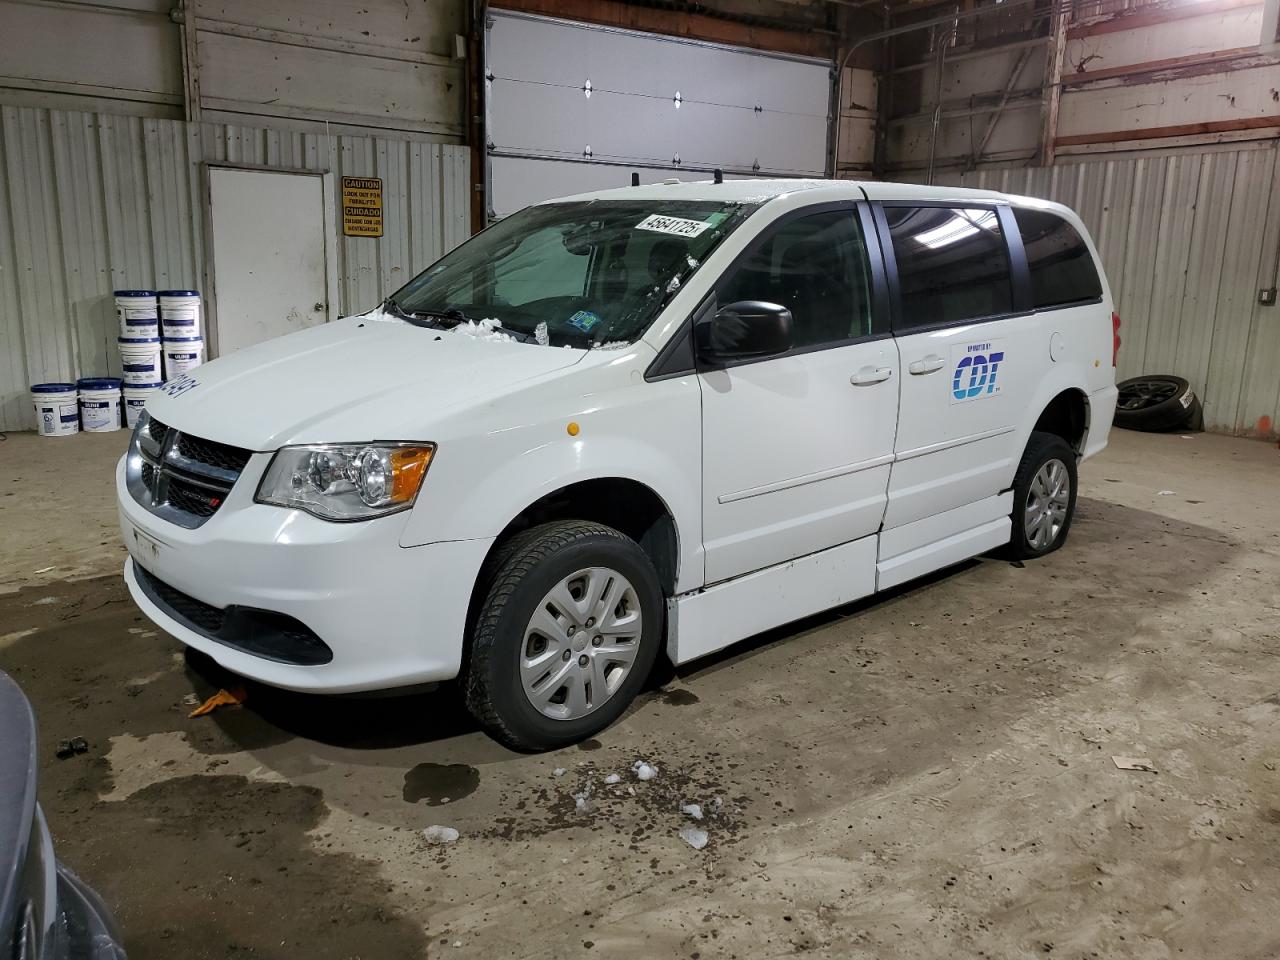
[{"x": 797, "y": 447}]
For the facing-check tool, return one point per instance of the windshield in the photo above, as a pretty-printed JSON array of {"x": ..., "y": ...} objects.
[{"x": 592, "y": 272}]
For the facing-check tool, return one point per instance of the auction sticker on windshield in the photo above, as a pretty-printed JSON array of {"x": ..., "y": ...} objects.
[{"x": 674, "y": 225}]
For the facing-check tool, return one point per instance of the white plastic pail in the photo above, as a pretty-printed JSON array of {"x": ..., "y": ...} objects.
[
  {"x": 135, "y": 400},
  {"x": 99, "y": 404},
  {"x": 140, "y": 358},
  {"x": 56, "y": 411},
  {"x": 138, "y": 313},
  {"x": 180, "y": 312},
  {"x": 182, "y": 354}
]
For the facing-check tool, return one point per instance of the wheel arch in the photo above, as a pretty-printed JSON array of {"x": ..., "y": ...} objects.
[
  {"x": 628, "y": 505},
  {"x": 1066, "y": 416}
]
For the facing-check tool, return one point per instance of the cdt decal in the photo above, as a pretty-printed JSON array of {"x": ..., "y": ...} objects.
[{"x": 975, "y": 370}]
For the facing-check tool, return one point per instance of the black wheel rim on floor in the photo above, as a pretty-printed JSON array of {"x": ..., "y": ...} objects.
[{"x": 1141, "y": 393}]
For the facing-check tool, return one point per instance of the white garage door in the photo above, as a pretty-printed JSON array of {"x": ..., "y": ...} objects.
[{"x": 574, "y": 106}]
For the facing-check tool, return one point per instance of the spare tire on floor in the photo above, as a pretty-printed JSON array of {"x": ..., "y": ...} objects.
[{"x": 1156, "y": 402}]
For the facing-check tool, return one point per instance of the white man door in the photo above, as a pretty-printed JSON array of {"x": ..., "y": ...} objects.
[{"x": 269, "y": 254}]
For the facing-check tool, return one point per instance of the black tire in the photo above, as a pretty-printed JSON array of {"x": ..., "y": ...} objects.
[
  {"x": 534, "y": 562},
  {"x": 1155, "y": 403},
  {"x": 1042, "y": 449}
]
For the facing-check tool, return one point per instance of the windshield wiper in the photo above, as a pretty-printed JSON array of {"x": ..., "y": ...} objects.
[
  {"x": 453, "y": 317},
  {"x": 415, "y": 317},
  {"x": 456, "y": 318}
]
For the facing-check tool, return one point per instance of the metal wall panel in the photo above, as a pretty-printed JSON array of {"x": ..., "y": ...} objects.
[
  {"x": 1187, "y": 239},
  {"x": 93, "y": 202},
  {"x": 113, "y": 55}
]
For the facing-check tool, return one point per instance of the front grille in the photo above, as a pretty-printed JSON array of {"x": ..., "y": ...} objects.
[
  {"x": 182, "y": 478},
  {"x": 191, "y": 499},
  {"x": 214, "y": 454},
  {"x": 263, "y": 633}
]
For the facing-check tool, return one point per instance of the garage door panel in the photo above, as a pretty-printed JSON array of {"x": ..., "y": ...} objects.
[{"x": 739, "y": 109}]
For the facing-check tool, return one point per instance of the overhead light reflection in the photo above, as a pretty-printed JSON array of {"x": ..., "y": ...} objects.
[{"x": 962, "y": 224}]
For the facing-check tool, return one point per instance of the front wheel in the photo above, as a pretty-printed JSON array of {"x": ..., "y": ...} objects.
[
  {"x": 1044, "y": 497},
  {"x": 567, "y": 634}
]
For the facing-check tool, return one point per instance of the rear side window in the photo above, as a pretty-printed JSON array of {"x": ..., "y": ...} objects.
[
  {"x": 1062, "y": 269},
  {"x": 953, "y": 265}
]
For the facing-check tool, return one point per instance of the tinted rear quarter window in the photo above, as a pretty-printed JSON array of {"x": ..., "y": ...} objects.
[
  {"x": 1062, "y": 269},
  {"x": 953, "y": 265}
]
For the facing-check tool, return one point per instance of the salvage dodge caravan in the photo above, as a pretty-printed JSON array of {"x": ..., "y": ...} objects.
[{"x": 653, "y": 419}]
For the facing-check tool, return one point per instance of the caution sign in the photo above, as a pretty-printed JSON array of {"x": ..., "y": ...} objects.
[{"x": 361, "y": 207}]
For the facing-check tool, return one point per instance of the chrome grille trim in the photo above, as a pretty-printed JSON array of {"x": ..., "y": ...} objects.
[{"x": 175, "y": 487}]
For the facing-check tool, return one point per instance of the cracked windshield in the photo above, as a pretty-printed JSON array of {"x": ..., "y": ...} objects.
[{"x": 586, "y": 274}]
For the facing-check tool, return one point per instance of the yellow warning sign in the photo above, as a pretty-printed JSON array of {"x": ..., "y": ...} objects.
[{"x": 361, "y": 207}]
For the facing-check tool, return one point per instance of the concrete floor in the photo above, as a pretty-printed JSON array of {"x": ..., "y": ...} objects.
[{"x": 927, "y": 775}]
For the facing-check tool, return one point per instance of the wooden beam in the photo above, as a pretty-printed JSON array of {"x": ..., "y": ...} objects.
[
  {"x": 1176, "y": 130},
  {"x": 1153, "y": 14},
  {"x": 190, "y": 61},
  {"x": 1173, "y": 68},
  {"x": 695, "y": 26},
  {"x": 1004, "y": 101},
  {"x": 1052, "y": 97}
]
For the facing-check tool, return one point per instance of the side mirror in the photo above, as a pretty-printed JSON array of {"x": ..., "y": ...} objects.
[{"x": 746, "y": 329}]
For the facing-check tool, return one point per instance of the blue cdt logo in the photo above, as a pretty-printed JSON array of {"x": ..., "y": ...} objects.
[{"x": 977, "y": 372}]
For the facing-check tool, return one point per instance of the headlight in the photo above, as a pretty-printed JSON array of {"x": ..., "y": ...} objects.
[{"x": 346, "y": 481}]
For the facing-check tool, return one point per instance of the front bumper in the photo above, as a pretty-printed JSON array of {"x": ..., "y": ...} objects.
[{"x": 390, "y": 615}]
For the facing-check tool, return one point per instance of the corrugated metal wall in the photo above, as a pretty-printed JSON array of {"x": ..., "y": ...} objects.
[
  {"x": 1188, "y": 240},
  {"x": 92, "y": 202}
]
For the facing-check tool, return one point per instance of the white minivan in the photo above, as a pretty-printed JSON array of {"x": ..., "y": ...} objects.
[{"x": 653, "y": 419}]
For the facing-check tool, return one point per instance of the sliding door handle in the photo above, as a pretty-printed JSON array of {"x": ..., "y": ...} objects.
[
  {"x": 924, "y": 365},
  {"x": 869, "y": 375}
]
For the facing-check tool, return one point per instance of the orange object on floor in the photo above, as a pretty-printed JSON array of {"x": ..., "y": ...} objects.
[{"x": 223, "y": 698}]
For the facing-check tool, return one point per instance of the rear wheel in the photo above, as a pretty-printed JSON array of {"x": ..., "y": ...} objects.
[
  {"x": 1044, "y": 497},
  {"x": 567, "y": 633}
]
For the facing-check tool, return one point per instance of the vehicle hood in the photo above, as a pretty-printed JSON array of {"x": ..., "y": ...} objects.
[{"x": 357, "y": 379}]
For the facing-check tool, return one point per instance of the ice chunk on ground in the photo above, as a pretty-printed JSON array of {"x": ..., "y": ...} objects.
[
  {"x": 644, "y": 771},
  {"x": 558, "y": 772},
  {"x": 694, "y": 837},
  {"x": 692, "y": 810},
  {"x": 693, "y": 264},
  {"x": 612, "y": 778},
  {"x": 541, "y": 334},
  {"x": 673, "y": 284},
  {"x": 439, "y": 834}
]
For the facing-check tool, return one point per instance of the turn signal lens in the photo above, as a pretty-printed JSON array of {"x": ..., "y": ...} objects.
[{"x": 408, "y": 467}]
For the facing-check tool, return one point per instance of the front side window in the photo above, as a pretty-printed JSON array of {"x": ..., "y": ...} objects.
[
  {"x": 592, "y": 271},
  {"x": 816, "y": 267},
  {"x": 1062, "y": 269},
  {"x": 953, "y": 265}
]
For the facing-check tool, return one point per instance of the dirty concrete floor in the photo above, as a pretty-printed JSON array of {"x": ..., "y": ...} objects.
[{"x": 927, "y": 775}]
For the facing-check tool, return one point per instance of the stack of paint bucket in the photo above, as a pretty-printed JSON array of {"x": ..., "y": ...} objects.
[
  {"x": 182, "y": 330},
  {"x": 139, "y": 349}
]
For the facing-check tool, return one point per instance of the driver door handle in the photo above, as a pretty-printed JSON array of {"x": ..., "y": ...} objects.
[
  {"x": 925, "y": 365},
  {"x": 869, "y": 375}
]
